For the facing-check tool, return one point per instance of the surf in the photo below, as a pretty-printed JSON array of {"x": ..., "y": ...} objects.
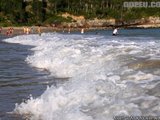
[{"x": 100, "y": 80}]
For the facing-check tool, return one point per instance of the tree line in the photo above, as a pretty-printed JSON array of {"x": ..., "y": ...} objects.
[{"x": 29, "y": 12}]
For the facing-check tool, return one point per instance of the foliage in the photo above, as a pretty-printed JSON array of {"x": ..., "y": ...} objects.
[
  {"x": 57, "y": 20},
  {"x": 29, "y": 12}
]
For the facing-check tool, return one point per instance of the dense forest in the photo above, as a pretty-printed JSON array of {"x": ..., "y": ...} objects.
[{"x": 31, "y": 12}]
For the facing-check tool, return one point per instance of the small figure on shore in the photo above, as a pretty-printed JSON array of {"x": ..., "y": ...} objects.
[
  {"x": 63, "y": 30},
  {"x": 0, "y": 29},
  {"x": 82, "y": 31},
  {"x": 39, "y": 30},
  {"x": 9, "y": 32},
  {"x": 24, "y": 30},
  {"x": 69, "y": 30},
  {"x": 115, "y": 32},
  {"x": 32, "y": 29},
  {"x": 27, "y": 30}
]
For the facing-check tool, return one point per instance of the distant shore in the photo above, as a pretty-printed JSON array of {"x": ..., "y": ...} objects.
[
  {"x": 80, "y": 23},
  {"x": 20, "y": 31}
]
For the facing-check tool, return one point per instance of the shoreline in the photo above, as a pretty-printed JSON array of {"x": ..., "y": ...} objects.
[{"x": 19, "y": 30}]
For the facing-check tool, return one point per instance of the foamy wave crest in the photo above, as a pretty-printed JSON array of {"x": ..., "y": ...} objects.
[{"x": 100, "y": 85}]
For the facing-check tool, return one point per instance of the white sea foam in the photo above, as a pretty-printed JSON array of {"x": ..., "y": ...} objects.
[{"x": 100, "y": 84}]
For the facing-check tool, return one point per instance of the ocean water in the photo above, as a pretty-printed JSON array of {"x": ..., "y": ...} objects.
[{"x": 91, "y": 76}]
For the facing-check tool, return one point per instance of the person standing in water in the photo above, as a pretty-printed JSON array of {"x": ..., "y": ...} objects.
[{"x": 115, "y": 32}]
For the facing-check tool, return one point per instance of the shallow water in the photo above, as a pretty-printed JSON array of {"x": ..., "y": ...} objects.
[{"x": 92, "y": 76}]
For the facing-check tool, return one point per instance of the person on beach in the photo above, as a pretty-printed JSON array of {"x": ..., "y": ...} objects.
[
  {"x": 82, "y": 31},
  {"x": 24, "y": 30},
  {"x": 27, "y": 30},
  {"x": 39, "y": 30},
  {"x": 63, "y": 30},
  {"x": 11, "y": 31},
  {"x": 69, "y": 30},
  {"x": 115, "y": 32},
  {"x": 32, "y": 29},
  {"x": 7, "y": 33},
  {"x": 0, "y": 30}
]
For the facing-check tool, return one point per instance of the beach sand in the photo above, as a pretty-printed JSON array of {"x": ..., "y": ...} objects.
[{"x": 20, "y": 31}]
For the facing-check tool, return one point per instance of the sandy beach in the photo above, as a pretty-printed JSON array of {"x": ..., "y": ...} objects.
[
  {"x": 45, "y": 29},
  {"x": 20, "y": 31}
]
